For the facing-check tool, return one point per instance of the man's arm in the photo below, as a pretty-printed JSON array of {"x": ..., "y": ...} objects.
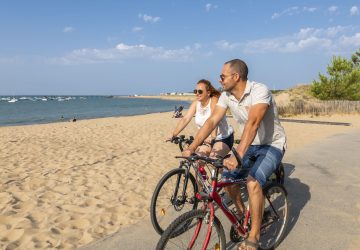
[
  {"x": 256, "y": 114},
  {"x": 204, "y": 132}
]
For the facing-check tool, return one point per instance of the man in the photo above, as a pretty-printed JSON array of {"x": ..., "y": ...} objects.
[{"x": 263, "y": 139}]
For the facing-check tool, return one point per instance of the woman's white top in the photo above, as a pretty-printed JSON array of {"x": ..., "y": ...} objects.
[{"x": 203, "y": 113}]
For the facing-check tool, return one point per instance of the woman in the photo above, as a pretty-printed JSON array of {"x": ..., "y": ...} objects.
[{"x": 222, "y": 138}]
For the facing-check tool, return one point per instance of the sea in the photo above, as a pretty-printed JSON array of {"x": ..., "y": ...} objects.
[{"x": 23, "y": 110}]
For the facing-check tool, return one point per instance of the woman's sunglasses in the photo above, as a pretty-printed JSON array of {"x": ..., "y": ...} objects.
[{"x": 198, "y": 91}]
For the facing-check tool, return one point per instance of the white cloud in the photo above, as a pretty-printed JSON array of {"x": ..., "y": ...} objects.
[
  {"x": 351, "y": 40},
  {"x": 210, "y": 6},
  {"x": 292, "y": 11},
  {"x": 68, "y": 29},
  {"x": 122, "y": 52},
  {"x": 333, "y": 31},
  {"x": 332, "y": 9},
  {"x": 309, "y": 9},
  {"x": 332, "y": 39},
  {"x": 137, "y": 29},
  {"x": 354, "y": 11},
  {"x": 149, "y": 19},
  {"x": 225, "y": 45}
]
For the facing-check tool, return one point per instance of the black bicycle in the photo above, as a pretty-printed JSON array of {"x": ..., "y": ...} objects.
[{"x": 175, "y": 191}]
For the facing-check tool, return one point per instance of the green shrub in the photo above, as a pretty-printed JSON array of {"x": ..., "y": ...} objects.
[{"x": 343, "y": 82}]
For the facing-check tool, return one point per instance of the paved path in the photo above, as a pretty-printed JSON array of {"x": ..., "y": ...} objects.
[{"x": 323, "y": 182}]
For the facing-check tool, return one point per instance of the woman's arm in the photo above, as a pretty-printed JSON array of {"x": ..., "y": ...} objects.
[
  {"x": 214, "y": 101},
  {"x": 185, "y": 120}
]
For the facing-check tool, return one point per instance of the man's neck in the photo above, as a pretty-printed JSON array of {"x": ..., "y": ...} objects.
[{"x": 238, "y": 90}]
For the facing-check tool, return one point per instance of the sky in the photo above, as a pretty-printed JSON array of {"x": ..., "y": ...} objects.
[{"x": 88, "y": 47}]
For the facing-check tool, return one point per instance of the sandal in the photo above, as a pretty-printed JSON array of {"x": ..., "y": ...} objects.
[{"x": 246, "y": 245}]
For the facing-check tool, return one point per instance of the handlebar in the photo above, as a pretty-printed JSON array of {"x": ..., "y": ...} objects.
[
  {"x": 218, "y": 163},
  {"x": 181, "y": 141},
  {"x": 181, "y": 138}
]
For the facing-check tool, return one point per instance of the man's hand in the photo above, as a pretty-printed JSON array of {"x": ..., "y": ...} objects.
[
  {"x": 207, "y": 141},
  {"x": 231, "y": 163},
  {"x": 187, "y": 152}
]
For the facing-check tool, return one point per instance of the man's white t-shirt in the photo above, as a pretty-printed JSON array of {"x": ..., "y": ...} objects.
[{"x": 270, "y": 131}]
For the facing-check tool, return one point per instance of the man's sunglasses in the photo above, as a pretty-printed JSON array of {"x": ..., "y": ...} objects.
[
  {"x": 198, "y": 91},
  {"x": 222, "y": 76}
]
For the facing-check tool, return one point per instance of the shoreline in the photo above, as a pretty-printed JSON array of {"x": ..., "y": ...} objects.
[
  {"x": 188, "y": 98},
  {"x": 68, "y": 111},
  {"x": 80, "y": 119}
]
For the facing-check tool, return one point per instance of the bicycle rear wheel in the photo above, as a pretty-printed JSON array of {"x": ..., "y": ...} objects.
[
  {"x": 275, "y": 218},
  {"x": 168, "y": 201},
  {"x": 193, "y": 226}
]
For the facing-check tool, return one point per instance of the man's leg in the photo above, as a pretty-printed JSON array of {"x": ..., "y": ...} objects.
[
  {"x": 267, "y": 159},
  {"x": 256, "y": 199}
]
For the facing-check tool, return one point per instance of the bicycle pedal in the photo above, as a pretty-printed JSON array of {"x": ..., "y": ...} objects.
[{"x": 235, "y": 236}]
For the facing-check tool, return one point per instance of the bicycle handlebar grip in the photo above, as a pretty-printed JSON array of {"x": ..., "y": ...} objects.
[{"x": 237, "y": 156}]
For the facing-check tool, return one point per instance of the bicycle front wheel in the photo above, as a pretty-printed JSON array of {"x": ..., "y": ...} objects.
[
  {"x": 189, "y": 232},
  {"x": 174, "y": 195},
  {"x": 275, "y": 218}
]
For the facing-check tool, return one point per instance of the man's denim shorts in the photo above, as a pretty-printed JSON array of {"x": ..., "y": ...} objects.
[{"x": 260, "y": 161}]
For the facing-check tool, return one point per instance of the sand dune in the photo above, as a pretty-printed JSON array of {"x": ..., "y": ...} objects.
[{"x": 64, "y": 185}]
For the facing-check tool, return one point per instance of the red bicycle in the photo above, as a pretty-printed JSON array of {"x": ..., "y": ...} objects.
[{"x": 201, "y": 228}]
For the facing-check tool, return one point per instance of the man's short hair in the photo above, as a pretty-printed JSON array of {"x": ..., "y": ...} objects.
[{"x": 240, "y": 67}]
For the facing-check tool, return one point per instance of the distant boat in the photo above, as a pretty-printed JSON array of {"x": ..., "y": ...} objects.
[{"x": 13, "y": 100}]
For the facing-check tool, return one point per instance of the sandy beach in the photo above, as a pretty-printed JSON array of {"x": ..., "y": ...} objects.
[{"x": 64, "y": 185}]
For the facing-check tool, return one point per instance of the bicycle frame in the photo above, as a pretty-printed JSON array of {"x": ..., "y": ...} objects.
[
  {"x": 187, "y": 166},
  {"x": 213, "y": 196}
]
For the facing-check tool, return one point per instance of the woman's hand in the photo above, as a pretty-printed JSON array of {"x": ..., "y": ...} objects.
[{"x": 170, "y": 137}]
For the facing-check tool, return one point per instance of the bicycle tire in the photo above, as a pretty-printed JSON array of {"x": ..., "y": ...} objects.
[
  {"x": 159, "y": 222},
  {"x": 181, "y": 241},
  {"x": 274, "y": 227}
]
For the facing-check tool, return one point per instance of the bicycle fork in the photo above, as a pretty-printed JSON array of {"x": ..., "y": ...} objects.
[
  {"x": 209, "y": 219},
  {"x": 175, "y": 195}
]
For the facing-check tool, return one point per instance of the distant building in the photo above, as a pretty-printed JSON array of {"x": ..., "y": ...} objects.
[{"x": 179, "y": 93}]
